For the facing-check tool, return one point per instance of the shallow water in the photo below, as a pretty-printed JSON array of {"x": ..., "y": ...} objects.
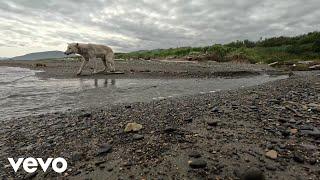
[{"x": 23, "y": 94}]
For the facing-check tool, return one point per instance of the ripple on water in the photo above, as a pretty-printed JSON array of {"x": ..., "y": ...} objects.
[{"x": 22, "y": 93}]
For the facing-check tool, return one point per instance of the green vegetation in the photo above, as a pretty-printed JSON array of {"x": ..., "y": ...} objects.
[{"x": 276, "y": 49}]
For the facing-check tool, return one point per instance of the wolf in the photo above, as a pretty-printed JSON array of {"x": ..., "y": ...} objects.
[{"x": 90, "y": 52}]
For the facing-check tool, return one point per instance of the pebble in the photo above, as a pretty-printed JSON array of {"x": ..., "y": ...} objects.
[
  {"x": 272, "y": 154},
  {"x": 313, "y": 161},
  {"x": 194, "y": 154},
  {"x": 297, "y": 157},
  {"x": 133, "y": 127},
  {"x": 77, "y": 156},
  {"x": 98, "y": 163},
  {"x": 188, "y": 120},
  {"x": 293, "y": 131},
  {"x": 270, "y": 167},
  {"x": 86, "y": 115},
  {"x": 31, "y": 175},
  {"x": 285, "y": 133},
  {"x": 110, "y": 169},
  {"x": 137, "y": 136},
  {"x": 170, "y": 129},
  {"x": 212, "y": 122},
  {"x": 253, "y": 174},
  {"x": 104, "y": 149},
  {"x": 313, "y": 133},
  {"x": 215, "y": 109},
  {"x": 306, "y": 127},
  {"x": 197, "y": 163}
]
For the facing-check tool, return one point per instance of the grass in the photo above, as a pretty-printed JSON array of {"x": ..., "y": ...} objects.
[
  {"x": 279, "y": 49},
  {"x": 254, "y": 55}
]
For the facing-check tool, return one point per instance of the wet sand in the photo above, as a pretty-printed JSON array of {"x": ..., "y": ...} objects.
[{"x": 223, "y": 135}]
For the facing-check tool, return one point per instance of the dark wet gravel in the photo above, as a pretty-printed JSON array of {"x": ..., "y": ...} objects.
[{"x": 283, "y": 116}]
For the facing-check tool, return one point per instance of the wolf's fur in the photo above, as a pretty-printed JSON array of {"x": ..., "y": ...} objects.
[{"x": 91, "y": 52}]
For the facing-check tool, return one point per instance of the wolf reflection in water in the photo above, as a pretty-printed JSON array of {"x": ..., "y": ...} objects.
[{"x": 105, "y": 83}]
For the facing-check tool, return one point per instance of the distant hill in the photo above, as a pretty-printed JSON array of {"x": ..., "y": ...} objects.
[
  {"x": 3, "y": 58},
  {"x": 42, "y": 55}
]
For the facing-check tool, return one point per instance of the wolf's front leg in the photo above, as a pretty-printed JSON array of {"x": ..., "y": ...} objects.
[{"x": 84, "y": 62}]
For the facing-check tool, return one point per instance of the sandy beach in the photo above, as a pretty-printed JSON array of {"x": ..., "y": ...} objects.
[{"x": 269, "y": 131}]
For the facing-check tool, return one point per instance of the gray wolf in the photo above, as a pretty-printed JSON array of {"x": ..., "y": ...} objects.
[{"x": 90, "y": 52}]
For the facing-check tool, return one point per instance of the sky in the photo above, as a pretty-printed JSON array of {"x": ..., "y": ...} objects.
[{"x": 128, "y": 25}]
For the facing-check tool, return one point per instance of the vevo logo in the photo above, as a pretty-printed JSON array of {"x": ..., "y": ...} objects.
[{"x": 30, "y": 164}]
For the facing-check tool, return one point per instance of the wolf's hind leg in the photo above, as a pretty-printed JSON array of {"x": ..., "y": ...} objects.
[
  {"x": 111, "y": 63},
  {"x": 113, "y": 69},
  {"x": 105, "y": 64},
  {"x": 94, "y": 65}
]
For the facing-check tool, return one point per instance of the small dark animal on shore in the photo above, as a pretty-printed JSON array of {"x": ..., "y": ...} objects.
[{"x": 41, "y": 65}]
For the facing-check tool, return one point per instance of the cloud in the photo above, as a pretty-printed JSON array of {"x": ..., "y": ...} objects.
[{"x": 32, "y": 25}]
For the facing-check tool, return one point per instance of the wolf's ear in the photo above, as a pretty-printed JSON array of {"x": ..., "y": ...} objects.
[{"x": 77, "y": 44}]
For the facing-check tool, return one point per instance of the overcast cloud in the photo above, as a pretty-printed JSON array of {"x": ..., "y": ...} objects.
[{"x": 127, "y": 25}]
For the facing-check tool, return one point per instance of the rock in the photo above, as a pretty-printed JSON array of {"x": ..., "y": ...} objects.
[
  {"x": 252, "y": 174},
  {"x": 170, "y": 129},
  {"x": 137, "y": 136},
  {"x": 306, "y": 62},
  {"x": 314, "y": 107},
  {"x": 293, "y": 131},
  {"x": 212, "y": 122},
  {"x": 314, "y": 133},
  {"x": 209, "y": 128},
  {"x": 197, "y": 163},
  {"x": 77, "y": 156},
  {"x": 27, "y": 148},
  {"x": 306, "y": 127},
  {"x": 128, "y": 164},
  {"x": 194, "y": 154},
  {"x": 188, "y": 120},
  {"x": 292, "y": 121},
  {"x": 110, "y": 169},
  {"x": 254, "y": 108},
  {"x": 285, "y": 133},
  {"x": 31, "y": 175},
  {"x": 282, "y": 120},
  {"x": 128, "y": 106},
  {"x": 271, "y": 168},
  {"x": 98, "y": 163},
  {"x": 86, "y": 115},
  {"x": 297, "y": 157},
  {"x": 309, "y": 147},
  {"x": 146, "y": 170},
  {"x": 315, "y": 67},
  {"x": 273, "y": 64},
  {"x": 272, "y": 154},
  {"x": 133, "y": 127},
  {"x": 215, "y": 109},
  {"x": 313, "y": 161},
  {"x": 104, "y": 149},
  {"x": 76, "y": 173}
]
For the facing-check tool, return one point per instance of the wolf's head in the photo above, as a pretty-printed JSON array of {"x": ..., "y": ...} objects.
[{"x": 72, "y": 48}]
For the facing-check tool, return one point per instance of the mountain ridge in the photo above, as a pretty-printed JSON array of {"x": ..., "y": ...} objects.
[{"x": 42, "y": 55}]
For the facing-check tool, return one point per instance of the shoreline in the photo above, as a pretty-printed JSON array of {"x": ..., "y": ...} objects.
[
  {"x": 144, "y": 69},
  {"x": 230, "y": 130}
]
